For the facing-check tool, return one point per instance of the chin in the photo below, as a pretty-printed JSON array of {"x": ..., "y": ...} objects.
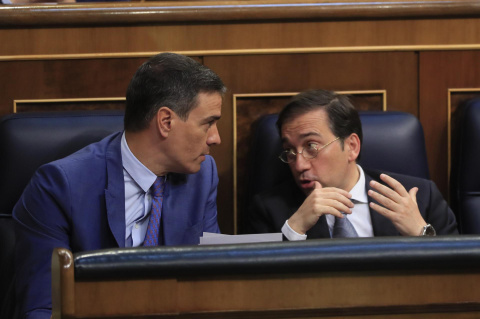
[{"x": 193, "y": 169}]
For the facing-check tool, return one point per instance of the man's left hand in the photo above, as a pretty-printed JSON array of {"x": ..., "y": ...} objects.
[{"x": 398, "y": 205}]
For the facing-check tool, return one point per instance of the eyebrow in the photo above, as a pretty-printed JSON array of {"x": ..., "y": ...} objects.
[
  {"x": 303, "y": 136},
  {"x": 211, "y": 118}
]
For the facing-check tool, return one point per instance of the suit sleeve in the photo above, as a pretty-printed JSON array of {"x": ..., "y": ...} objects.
[
  {"x": 210, "y": 223},
  {"x": 41, "y": 225},
  {"x": 439, "y": 214}
]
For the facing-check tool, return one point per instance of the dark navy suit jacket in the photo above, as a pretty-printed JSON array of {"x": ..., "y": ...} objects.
[
  {"x": 78, "y": 203},
  {"x": 271, "y": 209}
]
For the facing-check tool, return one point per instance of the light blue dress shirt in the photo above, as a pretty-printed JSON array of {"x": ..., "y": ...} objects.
[{"x": 138, "y": 199}]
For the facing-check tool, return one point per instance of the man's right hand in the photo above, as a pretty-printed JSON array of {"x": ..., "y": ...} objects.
[{"x": 328, "y": 200}]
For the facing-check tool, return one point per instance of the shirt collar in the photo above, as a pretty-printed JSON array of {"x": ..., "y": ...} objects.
[
  {"x": 359, "y": 192},
  {"x": 139, "y": 173}
]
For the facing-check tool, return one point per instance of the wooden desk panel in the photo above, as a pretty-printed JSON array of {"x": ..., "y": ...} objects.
[{"x": 362, "y": 293}]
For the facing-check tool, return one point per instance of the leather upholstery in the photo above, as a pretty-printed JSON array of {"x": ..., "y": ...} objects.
[
  {"x": 465, "y": 175},
  {"x": 7, "y": 245},
  {"x": 392, "y": 142},
  {"x": 316, "y": 255},
  {"x": 28, "y": 140}
]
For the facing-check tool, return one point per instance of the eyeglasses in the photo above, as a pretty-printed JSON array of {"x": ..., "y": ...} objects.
[{"x": 308, "y": 152}]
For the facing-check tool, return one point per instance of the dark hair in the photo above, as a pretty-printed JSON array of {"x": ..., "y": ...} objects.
[
  {"x": 343, "y": 117},
  {"x": 170, "y": 80}
]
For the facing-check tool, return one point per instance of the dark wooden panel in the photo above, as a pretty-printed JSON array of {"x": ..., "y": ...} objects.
[
  {"x": 396, "y": 73},
  {"x": 62, "y": 105},
  {"x": 64, "y": 79},
  {"x": 189, "y": 11},
  {"x": 439, "y": 72}
]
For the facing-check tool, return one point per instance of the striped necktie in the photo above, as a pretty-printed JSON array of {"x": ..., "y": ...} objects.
[
  {"x": 343, "y": 228},
  {"x": 154, "y": 235}
]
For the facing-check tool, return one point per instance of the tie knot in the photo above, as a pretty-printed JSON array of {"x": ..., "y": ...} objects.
[{"x": 158, "y": 186}]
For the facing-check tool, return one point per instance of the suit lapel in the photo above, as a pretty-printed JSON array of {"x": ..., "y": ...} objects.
[
  {"x": 115, "y": 192},
  {"x": 382, "y": 226}
]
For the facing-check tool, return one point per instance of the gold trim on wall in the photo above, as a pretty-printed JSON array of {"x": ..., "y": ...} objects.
[
  {"x": 449, "y": 126},
  {"x": 283, "y": 94},
  {"x": 373, "y": 48},
  {"x": 35, "y": 101}
]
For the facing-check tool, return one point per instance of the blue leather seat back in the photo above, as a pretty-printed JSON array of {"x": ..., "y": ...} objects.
[
  {"x": 392, "y": 142},
  {"x": 7, "y": 246},
  {"x": 465, "y": 175},
  {"x": 28, "y": 140}
]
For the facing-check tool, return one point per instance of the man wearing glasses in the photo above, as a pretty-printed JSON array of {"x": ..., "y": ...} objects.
[{"x": 332, "y": 195}]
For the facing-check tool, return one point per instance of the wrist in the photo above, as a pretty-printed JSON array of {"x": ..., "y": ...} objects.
[
  {"x": 427, "y": 231},
  {"x": 290, "y": 234},
  {"x": 296, "y": 227}
]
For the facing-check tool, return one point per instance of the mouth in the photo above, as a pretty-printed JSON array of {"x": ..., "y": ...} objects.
[{"x": 306, "y": 184}]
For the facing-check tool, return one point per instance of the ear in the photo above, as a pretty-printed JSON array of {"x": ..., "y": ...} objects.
[
  {"x": 352, "y": 146},
  {"x": 164, "y": 120}
]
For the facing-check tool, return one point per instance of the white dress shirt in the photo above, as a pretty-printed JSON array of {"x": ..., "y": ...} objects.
[{"x": 360, "y": 216}]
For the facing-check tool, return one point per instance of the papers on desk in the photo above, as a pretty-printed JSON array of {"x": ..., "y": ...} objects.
[{"x": 221, "y": 239}]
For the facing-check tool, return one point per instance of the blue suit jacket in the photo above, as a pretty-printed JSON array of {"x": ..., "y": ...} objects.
[{"x": 78, "y": 203}]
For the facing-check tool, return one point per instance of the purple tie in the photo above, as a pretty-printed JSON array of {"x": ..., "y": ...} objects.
[{"x": 154, "y": 227}]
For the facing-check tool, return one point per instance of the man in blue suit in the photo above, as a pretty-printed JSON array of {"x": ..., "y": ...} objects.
[{"x": 101, "y": 197}]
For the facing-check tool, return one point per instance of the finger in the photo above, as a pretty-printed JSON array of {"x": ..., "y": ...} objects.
[
  {"x": 413, "y": 194},
  {"x": 393, "y": 183},
  {"x": 337, "y": 190},
  {"x": 317, "y": 185},
  {"x": 383, "y": 200},
  {"x": 380, "y": 209},
  {"x": 331, "y": 211},
  {"x": 333, "y": 194},
  {"x": 386, "y": 191},
  {"x": 334, "y": 204}
]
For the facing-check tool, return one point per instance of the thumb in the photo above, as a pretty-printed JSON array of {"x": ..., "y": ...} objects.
[
  {"x": 413, "y": 194},
  {"x": 317, "y": 185}
]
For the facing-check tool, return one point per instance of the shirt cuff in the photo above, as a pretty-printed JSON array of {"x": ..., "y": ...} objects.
[{"x": 291, "y": 235}]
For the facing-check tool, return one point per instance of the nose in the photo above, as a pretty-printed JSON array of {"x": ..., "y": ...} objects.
[
  {"x": 300, "y": 164},
  {"x": 213, "y": 136}
]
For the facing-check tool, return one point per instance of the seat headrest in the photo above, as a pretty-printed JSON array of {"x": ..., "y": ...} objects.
[{"x": 29, "y": 140}]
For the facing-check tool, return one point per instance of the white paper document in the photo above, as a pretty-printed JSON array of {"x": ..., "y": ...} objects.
[{"x": 220, "y": 239}]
